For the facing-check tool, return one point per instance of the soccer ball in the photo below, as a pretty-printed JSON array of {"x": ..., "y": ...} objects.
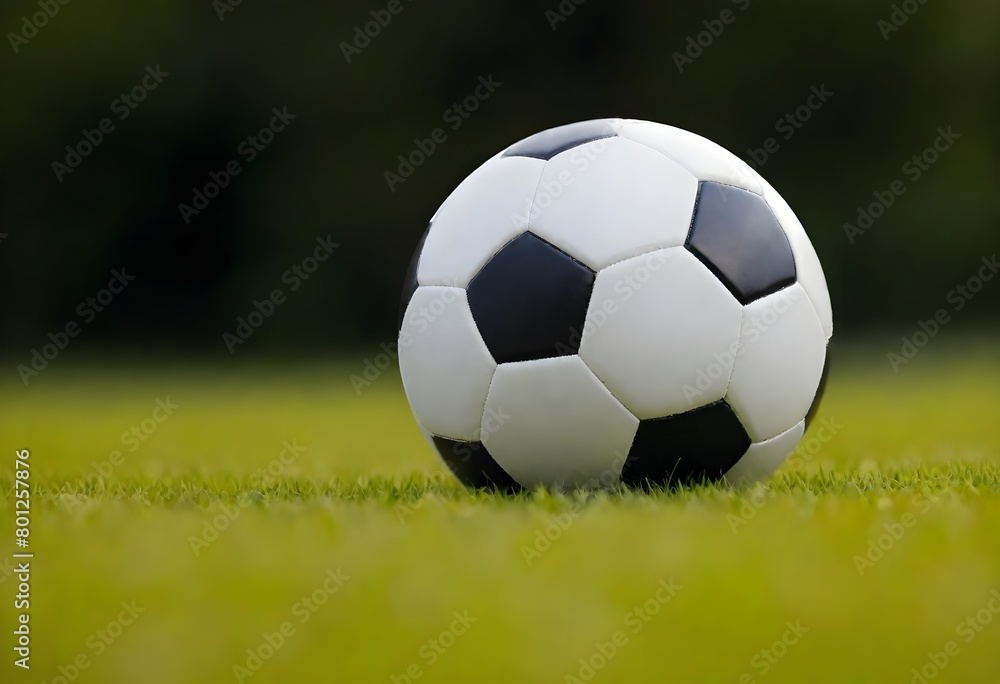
[{"x": 614, "y": 301}]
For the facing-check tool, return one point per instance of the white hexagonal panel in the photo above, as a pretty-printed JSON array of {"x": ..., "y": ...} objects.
[
  {"x": 809, "y": 272},
  {"x": 763, "y": 458},
  {"x": 445, "y": 365},
  {"x": 782, "y": 351},
  {"x": 612, "y": 199},
  {"x": 486, "y": 211},
  {"x": 705, "y": 159},
  {"x": 660, "y": 333},
  {"x": 552, "y": 422}
]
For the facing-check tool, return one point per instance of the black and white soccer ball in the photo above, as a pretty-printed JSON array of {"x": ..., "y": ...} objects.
[{"x": 614, "y": 301}]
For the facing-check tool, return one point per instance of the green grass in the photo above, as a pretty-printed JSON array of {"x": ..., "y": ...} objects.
[{"x": 545, "y": 576}]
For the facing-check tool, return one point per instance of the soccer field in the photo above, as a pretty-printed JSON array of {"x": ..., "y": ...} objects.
[{"x": 271, "y": 525}]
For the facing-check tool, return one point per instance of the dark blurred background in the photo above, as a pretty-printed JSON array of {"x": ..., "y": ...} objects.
[{"x": 224, "y": 67}]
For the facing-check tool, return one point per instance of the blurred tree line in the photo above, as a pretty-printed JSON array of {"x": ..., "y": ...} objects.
[{"x": 360, "y": 82}]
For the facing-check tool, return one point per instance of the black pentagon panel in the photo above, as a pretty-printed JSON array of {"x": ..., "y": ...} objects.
[
  {"x": 814, "y": 407},
  {"x": 736, "y": 235},
  {"x": 548, "y": 144},
  {"x": 530, "y": 301},
  {"x": 474, "y": 466},
  {"x": 688, "y": 448},
  {"x": 410, "y": 282}
]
